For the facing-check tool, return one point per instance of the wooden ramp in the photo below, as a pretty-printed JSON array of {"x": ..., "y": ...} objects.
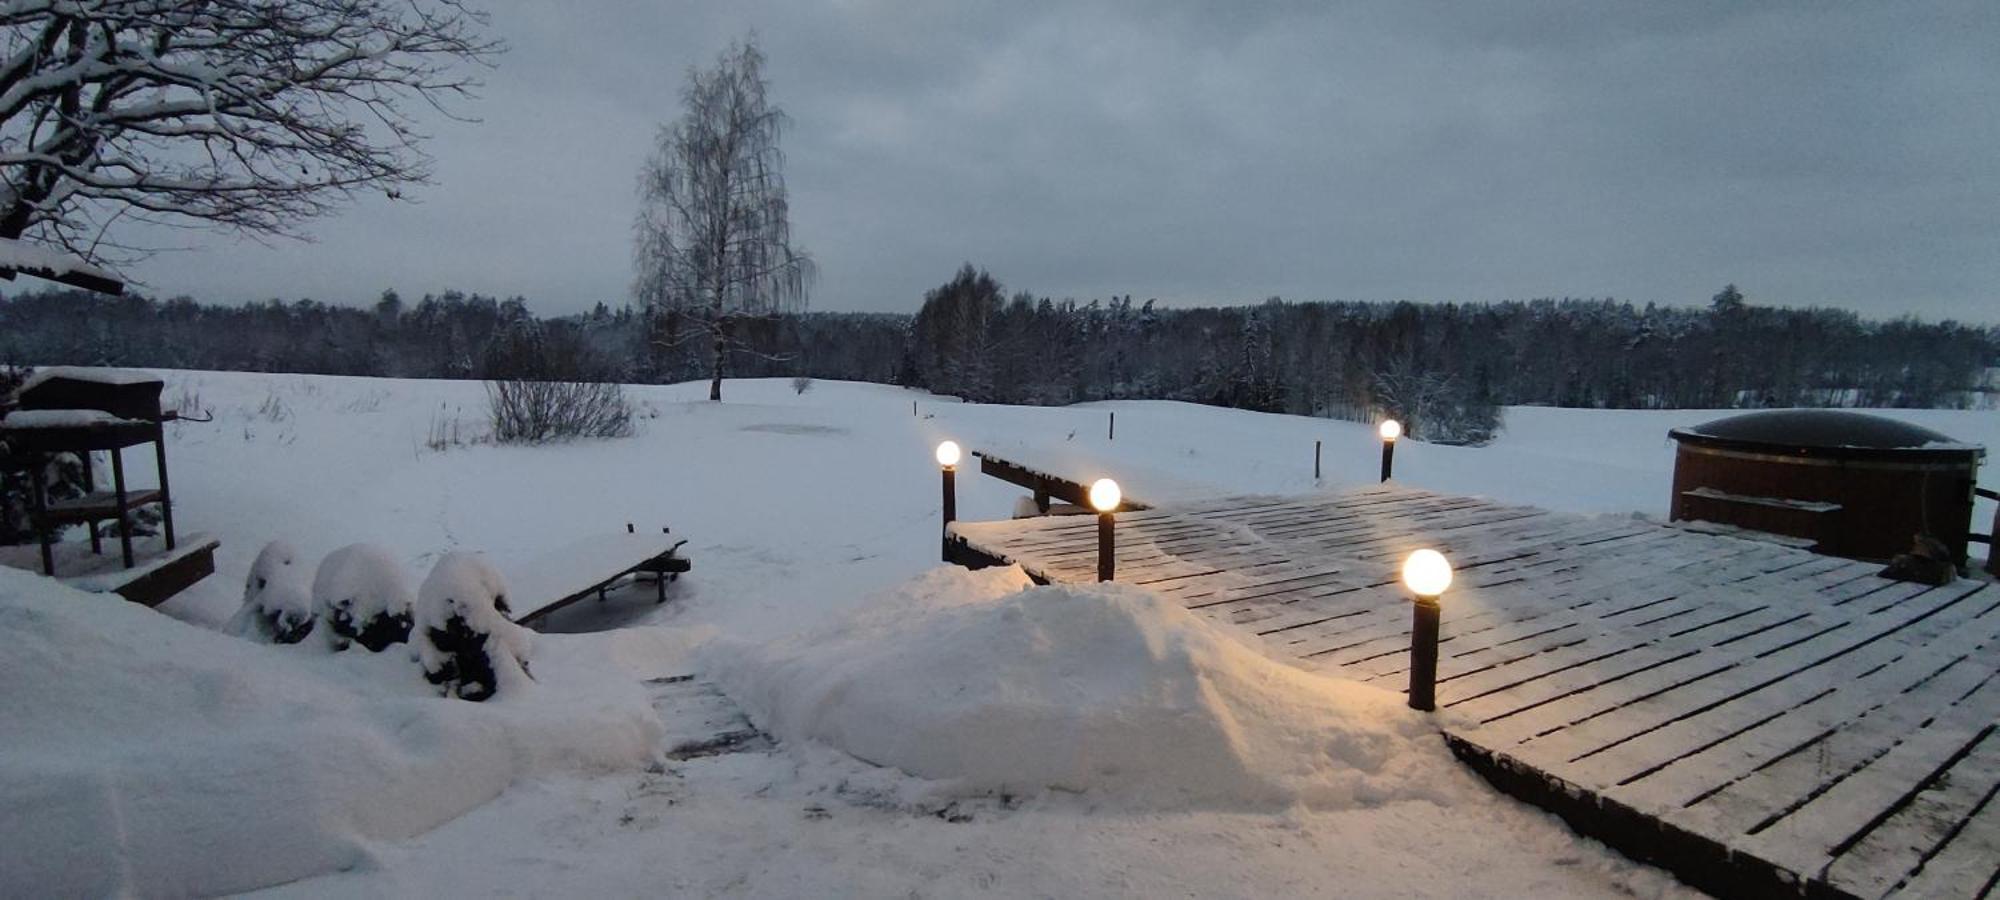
[{"x": 1754, "y": 717}]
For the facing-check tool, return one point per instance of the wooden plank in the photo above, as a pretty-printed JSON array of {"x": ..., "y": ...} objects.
[
  {"x": 1967, "y": 866},
  {"x": 1677, "y": 763},
  {"x": 1785, "y": 783},
  {"x": 1743, "y": 644},
  {"x": 1938, "y": 810},
  {"x": 1621, "y": 717}
]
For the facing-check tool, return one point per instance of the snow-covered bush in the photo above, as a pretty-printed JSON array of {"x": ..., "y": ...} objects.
[
  {"x": 363, "y": 595},
  {"x": 466, "y": 643},
  {"x": 277, "y": 602}
]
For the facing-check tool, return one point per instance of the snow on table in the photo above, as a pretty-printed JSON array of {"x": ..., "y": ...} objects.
[
  {"x": 63, "y": 418},
  {"x": 539, "y": 584},
  {"x": 92, "y": 374},
  {"x": 1748, "y": 714}
]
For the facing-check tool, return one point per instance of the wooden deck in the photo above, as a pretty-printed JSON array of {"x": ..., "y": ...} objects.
[{"x": 1754, "y": 717}]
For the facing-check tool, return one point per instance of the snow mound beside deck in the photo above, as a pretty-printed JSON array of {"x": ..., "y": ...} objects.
[
  {"x": 147, "y": 756},
  {"x": 1110, "y": 691}
]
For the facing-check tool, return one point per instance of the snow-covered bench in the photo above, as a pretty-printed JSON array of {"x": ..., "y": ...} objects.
[{"x": 549, "y": 581}]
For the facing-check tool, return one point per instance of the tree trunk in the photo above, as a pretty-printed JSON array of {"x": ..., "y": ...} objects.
[{"x": 715, "y": 384}]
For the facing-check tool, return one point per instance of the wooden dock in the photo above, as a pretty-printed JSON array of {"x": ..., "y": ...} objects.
[{"x": 1758, "y": 719}]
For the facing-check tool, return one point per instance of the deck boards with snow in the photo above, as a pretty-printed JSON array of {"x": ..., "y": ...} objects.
[{"x": 1750, "y": 715}]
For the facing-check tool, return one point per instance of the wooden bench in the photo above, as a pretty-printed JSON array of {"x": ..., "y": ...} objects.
[{"x": 589, "y": 566}]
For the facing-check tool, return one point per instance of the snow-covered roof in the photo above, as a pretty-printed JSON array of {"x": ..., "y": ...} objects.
[{"x": 55, "y": 265}]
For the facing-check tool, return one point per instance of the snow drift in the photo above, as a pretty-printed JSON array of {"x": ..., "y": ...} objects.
[
  {"x": 147, "y": 756},
  {"x": 979, "y": 679}
]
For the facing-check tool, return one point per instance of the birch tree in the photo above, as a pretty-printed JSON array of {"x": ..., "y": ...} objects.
[
  {"x": 713, "y": 237},
  {"x": 248, "y": 115}
]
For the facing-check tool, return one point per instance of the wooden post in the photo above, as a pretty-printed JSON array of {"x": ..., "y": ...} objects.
[
  {"x": 124, "y": 521},
  {"x": 1315, "y": 460},
  {"x": 1388, "y": 458},
  {"x": 1107, "y": 548},
  {"x": 1111, "y": 429},
  {"x": 89, "y": 487},
  {"x": 40, "y": 486},
  {"x": 913, "y": 409},
  {"x": 1424, "y": 654},
  {"x": 166, "y": 495},
  {"x": 1993, "y": 545},
  {"x": 950, "y": 510}
]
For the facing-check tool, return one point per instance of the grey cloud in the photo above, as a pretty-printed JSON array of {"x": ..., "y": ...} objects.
[{"x": 1224, "y": 152}]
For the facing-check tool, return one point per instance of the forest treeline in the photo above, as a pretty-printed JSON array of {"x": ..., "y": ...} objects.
[{"x": 1445, "y": 368}]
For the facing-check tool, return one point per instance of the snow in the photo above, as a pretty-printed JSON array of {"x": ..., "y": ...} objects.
[
  {"x": 93, "y": 374},
  {"x": 1112, "y": 692},
  {"x": 356, "y": 588},
  {"x": 804, "y": 511},
  {"x": 147, "y": 756},
  {"x": 1778, "y": 502},
  {"x": 38, "y": 259},
  {"x": 466, "y": 642},
  {"x": 558, "y": 572},
  {"x": 278, "y": 605},
  {"x": 63, "y": 418}
]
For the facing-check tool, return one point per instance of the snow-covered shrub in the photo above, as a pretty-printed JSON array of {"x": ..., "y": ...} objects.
[
  {"x": 363, "y": 595},
  {"x": 466, "y": 643},
  {"x": 277, "y": 602}
]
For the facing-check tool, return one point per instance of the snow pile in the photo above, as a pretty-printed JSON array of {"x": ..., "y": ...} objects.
[
  {"x": 978, "y": 679},
  {"x": 468, "y": 646},
  {"x": 147, "y": 756},
  {"x": 63, "y": 418},
  {"x": 363, "y": 595},
  {"x": 277, "y": 605}
]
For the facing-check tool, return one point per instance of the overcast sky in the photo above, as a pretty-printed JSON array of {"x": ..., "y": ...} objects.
[{"x": 1830, "y": 154}]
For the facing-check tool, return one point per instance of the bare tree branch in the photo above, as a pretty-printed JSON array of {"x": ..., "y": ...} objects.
[{"x": 248, "y": 115}]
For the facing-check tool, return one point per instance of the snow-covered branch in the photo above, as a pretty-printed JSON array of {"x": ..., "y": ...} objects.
[{"x": 244, "y": 114}]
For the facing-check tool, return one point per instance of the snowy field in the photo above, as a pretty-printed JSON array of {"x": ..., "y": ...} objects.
[{"x": 943, "y": 733}]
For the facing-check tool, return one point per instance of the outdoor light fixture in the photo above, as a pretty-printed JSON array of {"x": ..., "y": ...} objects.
[
  {"x": 1104, "y": 497},
  {"x": 947, "y": 457},
  {"x": 1426, "y": 573},
  {"x": 1390, "y": 430}
]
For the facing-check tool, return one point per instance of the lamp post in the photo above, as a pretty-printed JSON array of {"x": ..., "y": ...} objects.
[
  {"x": 1104, "y": 497},
  {"x": 947, "y": 457},
  {"x": 1390, "y": 431},
  {"x": 1426, "y": 574}
]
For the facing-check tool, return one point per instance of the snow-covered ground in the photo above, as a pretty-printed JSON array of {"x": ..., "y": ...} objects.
[{"x": 1057, "y": 742}]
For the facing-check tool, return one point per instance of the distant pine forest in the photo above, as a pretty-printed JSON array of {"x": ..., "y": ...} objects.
[{"x": 1446, "y": 368}]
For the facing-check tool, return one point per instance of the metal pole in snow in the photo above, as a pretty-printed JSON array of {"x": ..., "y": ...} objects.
[
  {"x": 1424, "y": 654},
  {"x": 1111, "y": 430},
  {"x": 950, "y": 508},
  {"x": 1107, "y": 548},
  {"x": 1315, "y": 460},
  {"x": 1388, "y": 458}
]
